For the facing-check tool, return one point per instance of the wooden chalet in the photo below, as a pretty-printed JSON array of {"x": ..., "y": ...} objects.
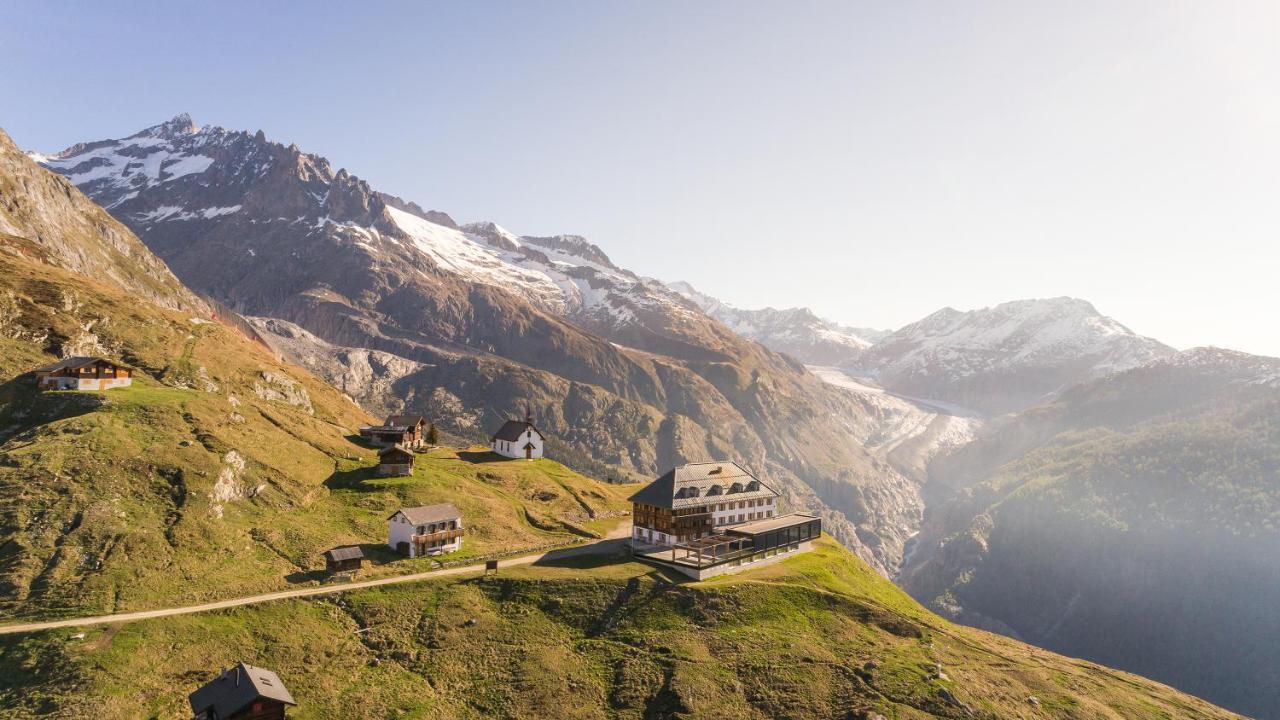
[
  {"x": 83, "y": 373},
  {"x": 698, "y": 499},
  {"x": 407, "y": 430},
  {"x": 705, "y": 519},
  {"x": 348, "y": 558},
  {"x": 427, "y": 530},
  {"x": 395, "y": 460},
  {"x": 244, "y": 692}
]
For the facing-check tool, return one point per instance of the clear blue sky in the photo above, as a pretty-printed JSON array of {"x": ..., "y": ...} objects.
[{"x": 874, "y": 161}]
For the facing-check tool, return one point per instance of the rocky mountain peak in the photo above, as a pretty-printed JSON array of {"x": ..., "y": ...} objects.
[{"x": 175, "y": 127}]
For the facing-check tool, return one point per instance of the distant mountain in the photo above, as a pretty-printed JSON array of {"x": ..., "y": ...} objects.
[
  {"x": 1134, "y": 521},
  {"x": 628, "y": 376},
  {"x": 1005, "y": 358},
  {"x": 795, "y": 331}
]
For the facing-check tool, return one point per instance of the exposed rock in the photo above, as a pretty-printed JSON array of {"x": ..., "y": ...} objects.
[
  {"x": 282, "y": 388},
  {"x": 228, "y": 486}
]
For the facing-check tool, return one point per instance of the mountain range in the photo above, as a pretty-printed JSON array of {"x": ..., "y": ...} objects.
[
  {"x": 627, "y": 375},
  {"x": 223, "y": 470},
  {"x": 1036, "y": 467}
]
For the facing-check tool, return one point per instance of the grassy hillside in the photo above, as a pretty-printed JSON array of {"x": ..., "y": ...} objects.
[
  {"x": 818, "y": 636},
  {"x": 221, "y": 472}
]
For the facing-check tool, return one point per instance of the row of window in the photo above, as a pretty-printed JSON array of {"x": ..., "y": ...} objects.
[
  {"x": 743, "y": 517},
  {"x": 762, "y": 502},
  {"x": 437, "y": 527}
]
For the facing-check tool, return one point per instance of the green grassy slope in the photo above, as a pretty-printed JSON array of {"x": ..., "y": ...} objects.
[
  {"x": 221, "y": 472},
  {"x": 818, "y": 636}
]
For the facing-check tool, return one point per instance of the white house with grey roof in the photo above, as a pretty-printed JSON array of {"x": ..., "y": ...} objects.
[{"x": 427, "y": 530}]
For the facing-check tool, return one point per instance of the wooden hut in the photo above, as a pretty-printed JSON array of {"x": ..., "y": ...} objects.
[
  {"x": 244, "y": 692},
  {"x": 348, "y": 558},
  {"x": 395, "y": 460}
]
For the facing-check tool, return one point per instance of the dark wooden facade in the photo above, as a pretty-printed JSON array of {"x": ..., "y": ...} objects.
[
  {"x": 682, "y": 524},
  {"x": 344, "y": 559},
  {"x": 395, "y": 460}
]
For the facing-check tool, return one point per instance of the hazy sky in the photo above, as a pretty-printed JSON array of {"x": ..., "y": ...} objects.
[{"x": 874, "y": 161}]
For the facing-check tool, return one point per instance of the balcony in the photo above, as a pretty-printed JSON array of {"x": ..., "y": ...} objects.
[{"x": 436, "y": 537}]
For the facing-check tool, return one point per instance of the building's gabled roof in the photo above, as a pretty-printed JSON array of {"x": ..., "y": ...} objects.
[
  {"x": 513, "y": 430},
  {"x": 407, "y": 421},
  {"x": 397, "y": 449},
  {"x": 349, "y": 552},
  {"x": 429, "y": 513},
  {"x": 234, "y": 689},
  {"x": 386, "y": 429},
  {"x": 702, "y": 483},
  {"x": 75, "y": 363}
]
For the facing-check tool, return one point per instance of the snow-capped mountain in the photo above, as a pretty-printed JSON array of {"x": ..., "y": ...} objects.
[
  {"x": 797, "y": 332},
  {"x": 1006, "y": 357},
  {"x": 629, "y": 376},
  {"x": 185, "y": 178}
]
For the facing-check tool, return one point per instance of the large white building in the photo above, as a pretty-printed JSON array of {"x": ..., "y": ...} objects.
[
  {"x": 428, "y": 530},
  {"x": 706, "y": 519},
  {"x": 699, "y": 499},
  {"x": 518, "y": 439}
]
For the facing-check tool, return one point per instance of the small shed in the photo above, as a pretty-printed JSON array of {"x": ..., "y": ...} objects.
[
  {"x": 242, "y": 693},
  {"x": 395, "y": 460},
  {"x": 348, "y": 558}
]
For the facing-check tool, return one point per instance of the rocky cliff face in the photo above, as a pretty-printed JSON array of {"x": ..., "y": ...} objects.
[
  {"x": 628, "y": 376},
  {"x": 47, "y": 218}
]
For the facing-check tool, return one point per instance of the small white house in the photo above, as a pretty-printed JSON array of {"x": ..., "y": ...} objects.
[
  {"x": 518, "y": 439},
  {"x": 428, "y": 530}
]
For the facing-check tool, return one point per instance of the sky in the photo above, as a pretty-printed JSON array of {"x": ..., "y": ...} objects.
[{"x": 872, "y": 161}]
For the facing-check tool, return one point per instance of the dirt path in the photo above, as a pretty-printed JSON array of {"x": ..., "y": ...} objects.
[{"x": 611, "y": 543}]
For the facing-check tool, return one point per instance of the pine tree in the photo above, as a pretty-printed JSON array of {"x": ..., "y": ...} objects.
[{"x": 433, "y": 435}]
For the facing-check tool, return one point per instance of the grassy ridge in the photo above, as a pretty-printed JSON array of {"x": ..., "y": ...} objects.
[
  {"x": 220, "y": 473},
  {"x": 818, "y": 636}
]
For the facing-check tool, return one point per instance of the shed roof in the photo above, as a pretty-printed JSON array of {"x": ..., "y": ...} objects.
[
  {"x": 511, "y": 430},
  {"x": 234, "y": 689},
  {"x": 702, "y": 483},
  {"x": 405, "y": 420},
  {"x": 347, "y": 552},
  {"x": 74, "y": 363},
  {"x": 394, "y": 449},
  {"x": 429, "y": 513}
]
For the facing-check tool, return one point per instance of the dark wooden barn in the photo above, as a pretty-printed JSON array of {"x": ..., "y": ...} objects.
[
  {"x": 244, "y": 692},
  {"x": 348, "y": 558}
]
